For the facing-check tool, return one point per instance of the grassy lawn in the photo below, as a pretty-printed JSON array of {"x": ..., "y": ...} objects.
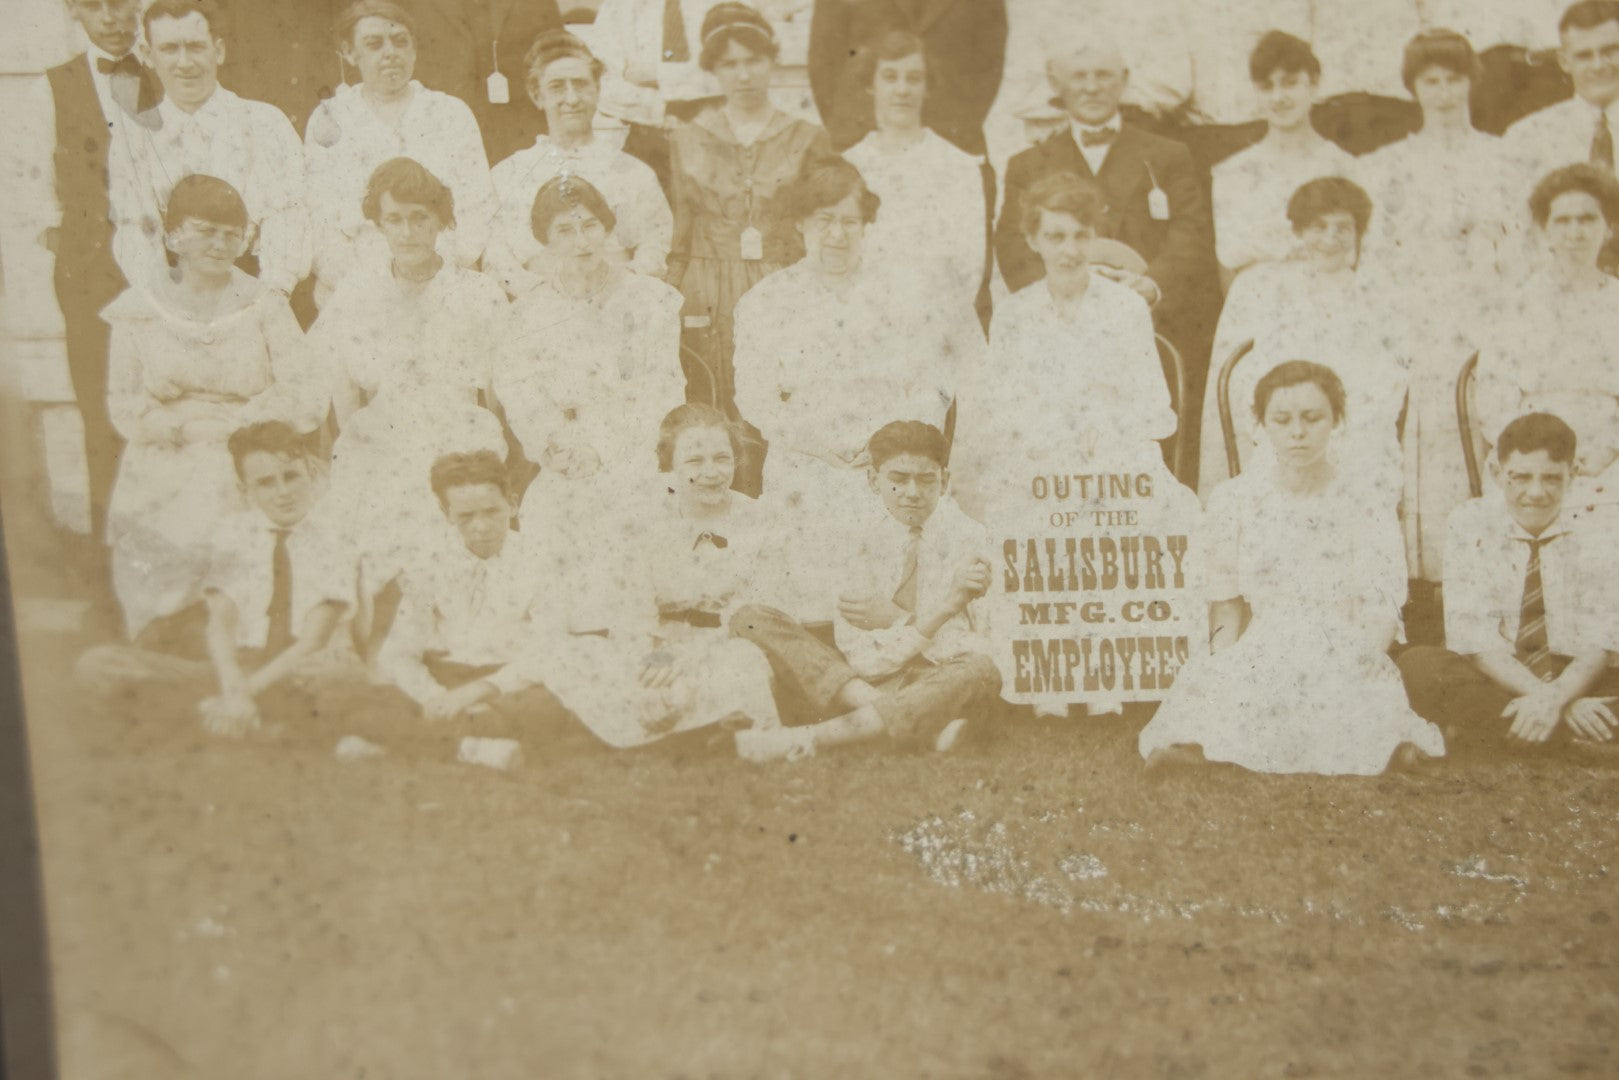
[{"x": 1028, "y": 906}]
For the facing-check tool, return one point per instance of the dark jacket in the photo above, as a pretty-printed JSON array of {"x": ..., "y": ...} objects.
[{"x": 1179, "y": 251}]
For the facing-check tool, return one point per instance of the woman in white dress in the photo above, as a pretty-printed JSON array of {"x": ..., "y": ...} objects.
[
  {"x": 693, "y": 556},
  {"x": 1251, "y": 188},
  {"x": 387, "y": 115},
  {"x": 824, "y": 358},
  {"x": 591, "y": 362},
  {"x": 1549, "y": 346},
  {"x": 1320, "y": 305},
  {"x": 931, "y": 234},
  {"x": 1440, "y": 238},
  {"x": 1306, "y": 576},
  {"x": 405, "y": 341},
  {"x": 193, "y": 357},
  {"x": 565, "y": 81},
  {"x": 1074, "y": 378}
]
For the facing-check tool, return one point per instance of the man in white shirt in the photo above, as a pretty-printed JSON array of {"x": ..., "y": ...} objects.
[
  {"x": 912, "y": 651},
  {"x": 1528, "y": 649},
  {"x": 200, "y": 127},
  {"x": 1584, "y": 127},
  {"x": 565, "y": 82},
  {"x": 478, "y": 619},
  {"x": 277, "y": 587}
]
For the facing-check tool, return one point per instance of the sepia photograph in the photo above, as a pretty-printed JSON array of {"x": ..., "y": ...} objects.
[{"x": 720, "y": 540}]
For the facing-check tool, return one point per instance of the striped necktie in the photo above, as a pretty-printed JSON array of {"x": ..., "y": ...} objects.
[{"x": 1532, "y": 647}]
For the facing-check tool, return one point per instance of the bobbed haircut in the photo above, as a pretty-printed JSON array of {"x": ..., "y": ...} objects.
[
  {"x": 180, "y": 9},
  {"x": 1324, "y": 195},
  {"x": 468, "y": 470},
  {"x": 1537, "y": 431},
  {"x": 1280, "y": 52},
  {"x": 825, "y": 182},
  {"x": 740, "y": 23},
  {"x": 554, "y": 45},
  {"x": 343, "y": 28},
  {"x": 889, "y": 45},
  {"x": 1588, "y": 15},
  {"x": 266, "y": 437},
  {"x": 1297, "y": 373},
  {"x": 907, "y": 437},
  {"x": 1439, "y": 48},
  {"x": 1581, "y": 177},
  {"x": 1062, "y": 193},
  {"x": 689, "y": 417},
  {"x": 408, "y": 181},
  {"x": 206, "y": 198},
  {"x": 563, "y": 193}
]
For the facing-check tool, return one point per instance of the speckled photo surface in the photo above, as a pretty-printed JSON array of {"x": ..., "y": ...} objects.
[{"x": 677, "y": 539}]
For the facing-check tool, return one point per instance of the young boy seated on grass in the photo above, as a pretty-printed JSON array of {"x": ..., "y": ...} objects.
[
  {"x": 912, "y": 655},
  {"x": 1529, "y": 621},
  {"x": 478, "y": 617},
  {"x": 278, "y": 584}
]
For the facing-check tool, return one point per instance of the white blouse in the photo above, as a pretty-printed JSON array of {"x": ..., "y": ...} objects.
[
  {"x": 1251, "y": 192},
  {"x": 930, "y": 227},
  {"x": 645, "y": 226},
  {"x": 346, "y": 140},
  {"x": 599, "y": 373}
]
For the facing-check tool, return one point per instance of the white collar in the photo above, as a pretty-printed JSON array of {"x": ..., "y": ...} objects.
[
  {"x": 547, "y": 145},
  {"x": 1603, "y": 111},
  {"x": 1514, "y": 531},
  {"x": 208, "y": 110}
]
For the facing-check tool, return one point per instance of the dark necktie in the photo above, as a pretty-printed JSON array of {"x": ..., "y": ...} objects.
[
  {"x": 905, "y": 595},
  {"x": 279, "y": 635},
  {"x": 1532, "y": 647},
  {"x": 675, "y": 48},
  {"x": 1602, "y": 143}
]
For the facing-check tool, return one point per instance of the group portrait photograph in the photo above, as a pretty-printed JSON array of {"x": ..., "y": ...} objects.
[{"x": 997, "y": 539}]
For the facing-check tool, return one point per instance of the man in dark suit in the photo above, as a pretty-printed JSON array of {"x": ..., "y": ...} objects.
[
  {"x": 965, "y": 48},
  {"x": 93, "y": 97},
  {"x": 474, "y": 50},
  {"x": 1157, "y": 205}
]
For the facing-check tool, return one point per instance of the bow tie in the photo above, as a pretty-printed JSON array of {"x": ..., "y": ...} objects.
[
  {"x": 713, "y": 538},
  {"x": 1097, "y": 136},
  {"x": 125, "y": 65}
]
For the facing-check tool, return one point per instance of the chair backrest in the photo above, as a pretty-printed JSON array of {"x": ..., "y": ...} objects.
[
  {"x": 689, "y": 355},
  {"x": 1175, "y": 367},
  {"x": 1471, "y": 440},
  {"x": 1222, "y": 388}
]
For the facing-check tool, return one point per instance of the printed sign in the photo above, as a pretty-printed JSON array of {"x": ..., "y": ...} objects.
[{"x": 1091, "y": 599}]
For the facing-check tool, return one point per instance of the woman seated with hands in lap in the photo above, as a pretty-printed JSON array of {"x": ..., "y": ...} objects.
[
  {"x": 592, "y": 359},
  {"x": 823, "y": 358},
  {"x": 1320, "y": 304},
  {"x": 1074, "y": 374},
  {"x": 1551, "y": 347},
  {"x": 405, "y": 340},
  {"x": 695, "y": 552},
  {"x": 1306, "y": 576}
]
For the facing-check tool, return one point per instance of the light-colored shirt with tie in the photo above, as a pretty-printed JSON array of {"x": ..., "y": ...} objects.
[
  {"x": 1486, "y": 559},
  {"x": 240, "y": 567},
  {"x": 885, "y": 558},
  {"x": 1563, "y": 134}
]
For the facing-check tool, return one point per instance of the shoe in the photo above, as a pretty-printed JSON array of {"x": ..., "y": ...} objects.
[
  {"x": 950, "y": 736},
  {"x": 762, "y": 745}
]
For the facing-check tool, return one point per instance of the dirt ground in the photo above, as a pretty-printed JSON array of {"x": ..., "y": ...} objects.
[{"x": 1028, "y": 906}]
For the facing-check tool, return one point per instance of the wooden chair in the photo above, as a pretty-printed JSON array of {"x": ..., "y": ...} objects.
[
  {"x": 1222, "y": 389},
  {"x": 1471, "y": 440},
  {"x": 1175, "y": 370}
]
